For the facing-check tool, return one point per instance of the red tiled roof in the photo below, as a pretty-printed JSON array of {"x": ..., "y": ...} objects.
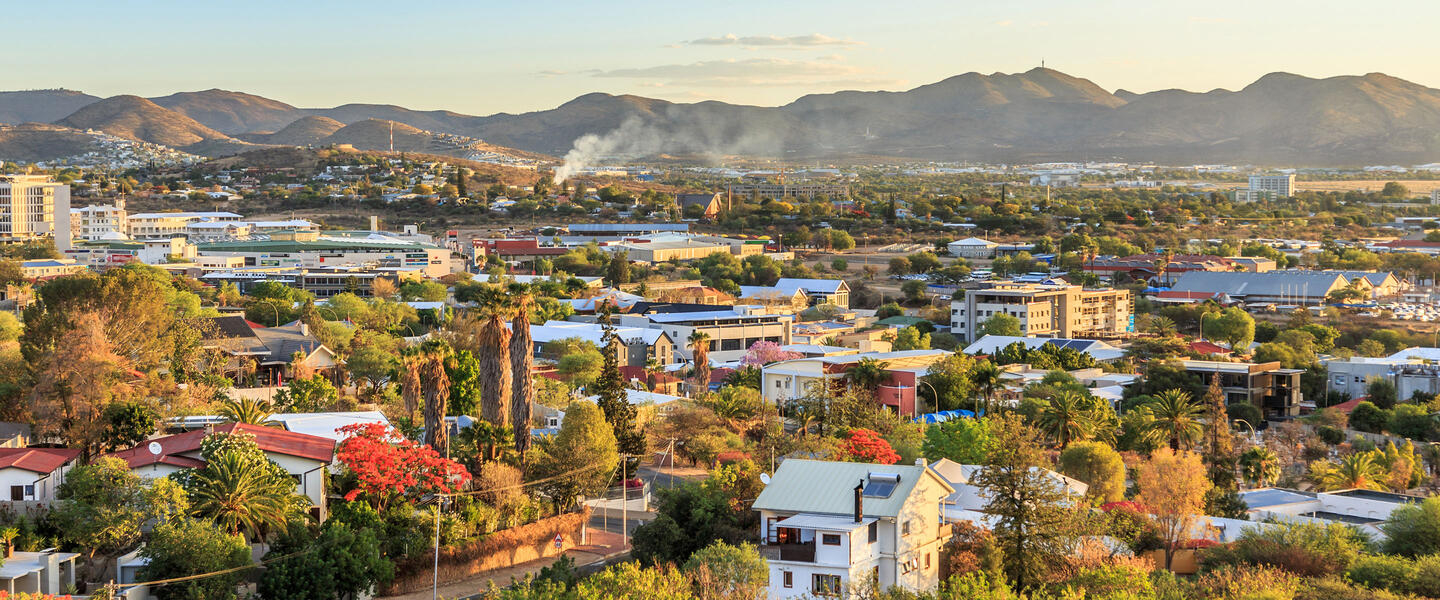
[
  {"x": 38, "y": 460},
  {"x": 1204, "y": 347},
  {"x": 1348, "y": 406},
  {"x": 719, "y": 375},
  {"x": 629, "y": 372},
  {"x": 270, "y": 439}
]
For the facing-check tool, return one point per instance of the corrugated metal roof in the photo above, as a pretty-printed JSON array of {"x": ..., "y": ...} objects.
[
  {"x": 1310, "y": 284},
  {"x": 825, "y": 522},
  {"x": 827, "y": 487}
]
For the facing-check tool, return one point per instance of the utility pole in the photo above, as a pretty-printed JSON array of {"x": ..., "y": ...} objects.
[{"x": 624, "y": 500}]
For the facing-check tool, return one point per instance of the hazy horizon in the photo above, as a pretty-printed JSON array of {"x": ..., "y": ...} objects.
[{"x": 519, "y": 58}]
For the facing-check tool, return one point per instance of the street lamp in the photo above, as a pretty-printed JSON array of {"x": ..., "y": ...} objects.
[
  {"x": 271, "y": 304},
  {"x": 921, "y": 382},
  {"x": 1202, "y": 323},
  {"x": 1253, "y": 434}
]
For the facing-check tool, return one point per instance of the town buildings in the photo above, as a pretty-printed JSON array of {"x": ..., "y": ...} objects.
[
  {"x": 1279, "y": 185},
  {"x": 732, "y": 330},
  {"x": 30, "y": 476},
  {"x": 829, "y": 526},
  {"x": 785, "y": 380},
  {"x": 1288, "y": 287},
  {"x": 1045, "y": 310},
  {"x": 1266, "y": 386},
  {"x": 311, "y": 249},
  {"x": 33, "y": 207},
  {"x": 1410, "y": 370}
]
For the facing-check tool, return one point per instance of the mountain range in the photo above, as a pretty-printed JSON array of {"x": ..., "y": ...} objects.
[{"x": 1041, "y": 114}]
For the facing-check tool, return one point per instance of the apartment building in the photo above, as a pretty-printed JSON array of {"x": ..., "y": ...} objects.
[
  {"x": 172, "y": 224},
  {"x": 1045, "y": 310},
  {"x": 33, "y": 207},
  {"x": 732, "y": 330},
  {"x": 1279, "y": 185},
  {"x": 828, "y": 527},
  {"x": 98, "y": 222},
  {"x": 1267, "y": 386},
  {"x": 309, "y": 249},
  {"x": 787, "y": 379}
]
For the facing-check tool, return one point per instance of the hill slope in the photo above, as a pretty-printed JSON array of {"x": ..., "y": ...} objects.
[
  {"x": 136, "y": 118},
  {"x": 41, "y": 106},
  {"x": 231, "y": 112},
  {"x": 303, "y": 132}
]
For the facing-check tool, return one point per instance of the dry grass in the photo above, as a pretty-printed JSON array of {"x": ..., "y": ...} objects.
[{"x": 1416, "y": 186}]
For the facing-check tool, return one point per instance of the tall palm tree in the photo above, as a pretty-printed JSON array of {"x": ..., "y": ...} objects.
[
  {"x": 522, "y": 359},
  {"x": 1357, "y": 471},
  {"x": 1259, "y": 466},
  {"x": 700, "y": 345},
  {"x": 986, "y": 377},
  {"x": 1174, "y": 419},
  {"x": 241, "y": 498},
  {"x": 410, "y": 390},
  {"x": 251, "y": 411},
  {"x": 1161, "y": 325},
  {"x": 495, "y": 369},
  {"x": 1067, "y": 418},
  {"x": 866, "y": 374},
  {"x": 437, "y": 399}
]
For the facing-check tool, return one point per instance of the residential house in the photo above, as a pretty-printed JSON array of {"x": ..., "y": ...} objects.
[
  {"x": 32, "y": 474},
  {"x": 828, "y": 527},
  {"x": 640, "y": 345},
  {"x": 708, "y": 205},
  {"x": 303, "y": 456},
  {"x": 272, "y": 351},
  {"x": 1267, "y": 386},
  {"x": 1098, "y": 350},
  {"x": 1365, "y": 510},
  {"x": 47, "y": 572},
  {"x": 732, "y": 329},
  {"x": 788, "y": 379},
  {"x": 817, "y": 291}
]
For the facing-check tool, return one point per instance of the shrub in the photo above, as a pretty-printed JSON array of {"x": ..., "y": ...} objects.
[
  {"x": 1414, "y": 529},
  {"x": 1427, "y": 576},
  {"x": 1334, "y": 588},
  {"x": 1330, "y": 435},
  {"x": 1098, "y": 465},
  {"x": 1310, "y": 549},
  {"x": 1369, "y": 417},
  {"x": 1394, "y": 573},
  {"x": 978, "y": 586},
  {"x": 1245, "y": 583},
  {"x": 1112, "y": 583}
]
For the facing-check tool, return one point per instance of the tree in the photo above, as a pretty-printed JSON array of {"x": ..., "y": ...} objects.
[
  {"x": 900, "y": 266},
  {"x": 1413, "y": 529},
  {"x": 866, "y": 374},
  {"x": 496, "y": 371},
  {"x": 1032, "y": 522},
  {"x": 865, "y": 445},
  {"x": 986, "y": 379},
  {"x": 248, "y": 410},
  {"x": 1234, "y": 326},
  {"x": 1260, "y": 466},
  {"x": 910, "y": 338},
  {"x": 1381, "y": 392},
  {"x": 700, "y": 345},
  {"x": 614, "y": 400},
  {"x": 1099, "y": 466},
  {"x": 1000, "y": 324},
  {"x": 1368, "y": 417},
  {"x": 1394, "y": 189},
  {"x": 1360, "y": 470},
  {"x": 435, "y": 390},
  {"x": 950, "y": 379},
  {"x": 580, "y": 459},
  {"x": 695, "y": 516},
  {"x": 388, "y": 466},
  {"x": 914, "y": 290},
  {"x": 1174, "y": 419},
  {"x": 765, "y": 352},
  {"x": 1067, "y": 417},
  {"x": 1173, "y": 485},
  {"x": 522, "y": 364},
  {"x": 887, "y": 310},
  {"x": 129, "y": 423},
  {"x": 340, "y": 563},
  {"x": 10, "y": 327},
  {"x": 104, "y": 508},
  {"x": 617, "y": 273},
  {"x": 240, "y": 489},
  {"x": 726, "y": 571},
  {"x": 309, "y": 394},
  {"x": 965, "y": 441},
  {"x": 192, "y": 547}
]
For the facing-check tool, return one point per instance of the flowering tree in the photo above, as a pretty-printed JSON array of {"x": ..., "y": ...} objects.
[
  {"x": 765, "y": 352},
  {"x": 864, "y": 445},
  {"x": 386, "y": 465}
]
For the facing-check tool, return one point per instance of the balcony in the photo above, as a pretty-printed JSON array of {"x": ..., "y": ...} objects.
[{"x": 789, "y": 552}]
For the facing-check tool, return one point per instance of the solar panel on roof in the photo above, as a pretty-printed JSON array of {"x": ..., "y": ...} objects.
[{"x": 878, "y": 489}]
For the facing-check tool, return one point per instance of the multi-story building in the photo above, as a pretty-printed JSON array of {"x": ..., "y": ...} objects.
[
  {"x": 787, "y": 379},
  {"x": 731, "y": 330},
  {"x": 1267, "y": 386},
  {"x": 1435, "y": 196},
  {"x": 172, "y": 224},
  {"x": 1045, "y": 310},
  {"x": 790, "y": 190},
  {"x": 1411, "y": 370},
  {"x": 828, "y": 528},
  {"x": 32, "y": 207},
  {"x": 309, "y": 249},
  {"x": 98, "y": 222},
  {"x": 1279, "y": 185}
]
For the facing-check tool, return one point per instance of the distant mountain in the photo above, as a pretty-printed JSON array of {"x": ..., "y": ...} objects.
[
  {"x": 40, "y": 106},
  {"x": 35, "y": 142},
  {"x": 303, "y": 132},
  {"x": 136, "y": 118},
  {"x": 1041, "y": 114},
  {"x": 231, "y": 113}
]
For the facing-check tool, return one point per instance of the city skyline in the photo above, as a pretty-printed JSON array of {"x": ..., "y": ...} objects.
[{"x": 451, "y": 56}]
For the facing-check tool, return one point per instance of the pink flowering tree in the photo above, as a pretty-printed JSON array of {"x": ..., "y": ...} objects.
[{"x": 766, "y": 352}]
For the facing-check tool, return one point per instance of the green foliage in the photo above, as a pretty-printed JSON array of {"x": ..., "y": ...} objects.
[
  {"x": 1309, "y": 549},
  {"x": 241, "y": 489},
  {"x": 1032, "y": 523},
  {"x": 585, "y": 440},
  {"x": 1394, "y": 573},
  {"x": 314, "y": 394},
  {"x": 1413, "y": 529},
  {"x": 104, "y": 506},
  {"x": 1098, "y": 465},
  {"x": 129, "y": 423},
  {"x": 910, "y": 338},
  {"x": 694, "y": 516},
  {"x": 1369, "y": 417},
  {"x": 737, "y": 571},
  {"x": 191, "y": 547},
  {"x": 950, "y": 377},
  {"x": 999, "y": 324},
  {"x": 1234, "y": 326},
  {"x": 1381, "y": 392},
  {"x": 887, "y": 310},
  {"x": 338, "y": 564},
  {"x": 965, "y": 441},
  {"x": 463, "y": 370},
  {"x": 10, "y": 327}
]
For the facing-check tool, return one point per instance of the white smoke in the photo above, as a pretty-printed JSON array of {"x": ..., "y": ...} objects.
[{"x": 682, "y": 130}]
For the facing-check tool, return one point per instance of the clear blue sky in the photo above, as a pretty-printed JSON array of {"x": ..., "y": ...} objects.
[{"x": 485, "y": 57}]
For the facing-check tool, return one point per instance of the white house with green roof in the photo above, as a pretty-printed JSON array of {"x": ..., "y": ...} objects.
[{"x": 828, "y": 526}]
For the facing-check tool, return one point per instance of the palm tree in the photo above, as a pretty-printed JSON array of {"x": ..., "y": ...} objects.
[
  {"x": 805, "y": 414},
  {"x": 700, "y": 345},
  {"x": 1260, "y": 466},
  {"x": 866, "y": 374},
  {"x": 410, "y": 390},
  {"x": 986, "y": 377},
  {"x": 437, "y": 399},
  {"x": 1161, "y": 325},
  {"x": 251, "y": 411},
  {"x": 495, "y": 369},
  {"x": 522, "y": 359},
  {"x": 1357, "y": 471},
  {"x": 241, "y": 498},
  {"x": 1067, "y": 418},
  {"x": 1174, "y": 419}
]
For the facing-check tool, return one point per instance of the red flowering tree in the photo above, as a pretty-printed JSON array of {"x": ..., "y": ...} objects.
[
  {"x": 387, "y": 465},
  {"x": 864, "y": 445}
]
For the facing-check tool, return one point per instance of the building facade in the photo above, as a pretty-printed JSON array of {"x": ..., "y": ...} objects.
[
  {"x": 32, "y": 207},
  {"x": 1267, "y": 386},
  {"x": 1045, "y": 310},
  {"x": 1279, "y": 185}
]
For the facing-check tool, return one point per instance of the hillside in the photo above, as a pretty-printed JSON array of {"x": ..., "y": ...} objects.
[
  {"x": 41, "y": 106},
  {"x": 231, "y": 113},
  {"x": 302, "y": 132},
  {"x": 34, "y": 142},
  {"x": 136, "y": 118}
]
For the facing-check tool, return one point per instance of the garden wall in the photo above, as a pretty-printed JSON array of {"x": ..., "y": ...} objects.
[{"x": 495, "y": 551}]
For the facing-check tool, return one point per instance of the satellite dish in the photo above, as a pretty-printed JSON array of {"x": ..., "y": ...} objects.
[
  {"x": 155, "y": 448},
  {"x": 765, "y": 478}
]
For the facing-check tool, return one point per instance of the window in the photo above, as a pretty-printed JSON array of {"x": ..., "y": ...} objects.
[
  {"x": 830, "y": 539},
  {"x": 927, "y": 560},
  {"x": 825, "y": 585},
  {"x": 788, "y": 578},
  {"x": 905, "y": 528},
  {"x": 17, "y": 492},
  {"x": 874, "y": 531}
]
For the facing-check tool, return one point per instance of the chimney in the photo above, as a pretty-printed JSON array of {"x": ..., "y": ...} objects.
[
  {"x": 921, "y": 462},
  {"x": 860, "y": 501}
]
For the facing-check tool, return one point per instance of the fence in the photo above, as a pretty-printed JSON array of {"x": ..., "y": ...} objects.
[{"x": 495, "y": 551}]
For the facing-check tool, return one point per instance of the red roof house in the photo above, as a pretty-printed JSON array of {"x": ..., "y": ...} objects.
[{"x": 33, "y": 474}]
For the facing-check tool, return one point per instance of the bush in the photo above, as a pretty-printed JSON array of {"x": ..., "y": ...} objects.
[
  {"x": 1111, "y": 582},
  {"x": 1099, "y": 466},
  {"x": 1335, "y": 588},
  {"x": 1245, "y": 583},
  {"x": 1394, "y": 573},
  {"x": 1245, "y": 411},
  {"x": 1427, "y": 576},
  {"x": 1330, "y": 435},
  {"x": 1369, "y": 417},
  {"x": 1414, "y": 529},
  {"x": 1309, "y": 549}
]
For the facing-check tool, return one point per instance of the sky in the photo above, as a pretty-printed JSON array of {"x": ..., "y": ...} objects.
[{"x": 484, "y": 57}]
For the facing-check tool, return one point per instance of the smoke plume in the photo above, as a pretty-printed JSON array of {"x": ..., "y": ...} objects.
[{"x": 683, "y": 129}]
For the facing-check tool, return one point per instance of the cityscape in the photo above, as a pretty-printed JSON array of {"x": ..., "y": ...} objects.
[{"x": 1052, "y": 301}]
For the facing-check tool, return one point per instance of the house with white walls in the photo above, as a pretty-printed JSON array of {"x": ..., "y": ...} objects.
[
  {"x": 827, "y": 527},
  {"x": 32, "y": 474}
]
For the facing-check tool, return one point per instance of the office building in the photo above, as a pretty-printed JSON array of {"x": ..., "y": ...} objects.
[
  {"x": 1279, "y": 185},
  {"x": 1045, "y": 310},
  {"x": 32, "y": 207}
]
